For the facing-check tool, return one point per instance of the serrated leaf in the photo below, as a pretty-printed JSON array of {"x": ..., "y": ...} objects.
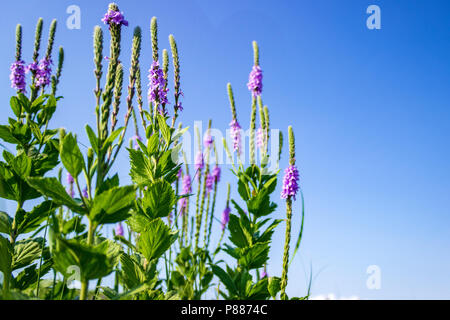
[
  {"x": 158, "y": 200},
  {"x": 53, "y": 189},
  {"x": 25, "y": 252},
  {"x": 71, "y": 156},
  {"x": 156, "y": 240},
  {"x": 5, "y": 223},
  {"x": 225, "y": 278},
  {"x": 6, "y": 253},
  {"x": 30, "y": 221},
  {"x": 274, "y": 286},
  {"x": 113, "y": 205}
]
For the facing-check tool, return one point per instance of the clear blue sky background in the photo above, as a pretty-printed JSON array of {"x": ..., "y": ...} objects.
[{"x": 370, "y": 110}]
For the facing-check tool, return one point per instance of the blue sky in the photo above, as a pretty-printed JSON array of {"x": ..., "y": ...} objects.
[{"x": 370, "y": 111}]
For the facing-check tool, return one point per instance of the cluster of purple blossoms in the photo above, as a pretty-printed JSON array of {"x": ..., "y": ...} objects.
[
  {"x": 225, "y": 217},
  {"x": 216, "y": 174},
  {"x": 42, "y": 72},
  {"x": 157, "y": 92},
  {"x": 114, "y": 17},
  {"x": 255, "y": 81},
  {"x": 260, "y": 138},
  {"x": 208, "y": 140},
  {"x": 119, "y": 230},
  {"x": 199, "y": 161},
  {"x": 235, "y": 132},
  {"x": 209, "y": 182},
  {"x": 290, "y": 182},
  {"x": 186, "y": 190},
  {"x": 17, "y": 76}
]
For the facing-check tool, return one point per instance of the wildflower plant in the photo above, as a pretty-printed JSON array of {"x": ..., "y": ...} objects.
[{"x": 164, "y": 220}]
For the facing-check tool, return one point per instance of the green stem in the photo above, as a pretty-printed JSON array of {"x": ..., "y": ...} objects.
[{"x": 85, "y": 282}]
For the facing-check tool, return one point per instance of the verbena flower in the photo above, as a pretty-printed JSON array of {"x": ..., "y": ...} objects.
[
  {"x": 136, "y": 144},
  {"x": 225, "y": 217},
  {"x": 208, "y": 141},
  {"x": 157, "y": 92},
  {"x": 199, "y": 161},
  {"x": 235, "y": 132},
  {"x": 42, "y": 72},
  {"x": 85, "y": 193},
  {"x": 186, "y": 190},
  {"x": 290, "y": 182},
  {"x": 114, "y": 17},
  {"x": 119, "y": 230},
  {"x": 216, "y": 173},
  {"x": 255, "y": 81},
  {"x": 264, "y": 274},
  {"x": 17, "y": 76},
  {"x": 260, "y": 138},
  {"x": 209, "y": 182}
]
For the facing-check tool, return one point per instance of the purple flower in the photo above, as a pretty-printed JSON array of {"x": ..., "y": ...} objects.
[
  {"x": 208, "y": 140},
  {"x": 235, "y": 132},
  {"x": 225, "y": 217},
  {"x": 290, "y": 182},
  {"x": 85, "y": 193},
  {"x": 114, "y": 17},
  {"x": 209, "y": 182},
  {"x": 136, "y": 144},
  {"x": 119, "y": 229},
  {"x": 157, "y": 92},
  {"x": 260, "y": 138},
  {"x": 264, "y": 274},
  {"x": 69, "y": 178},
  {"x": 199, "y": 161},
  {"x": 180, "y": 172},
  {"x": 216, "y": 173},
  {"x": 186, "y": 190},
  {"x": 255, "y": 81},
  {"x": 41, "y": 71},
  {"x": 17, "y": 76}
]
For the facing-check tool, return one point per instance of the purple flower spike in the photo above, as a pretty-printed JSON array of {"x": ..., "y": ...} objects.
[
  {"x": 260, "y": 138},
  {"x": 255, "y": 81},
  {"x": 44, "y": 72},
  {"x": 216, "y": 173},
  {"x": 85, "y": 193},
  {"x": 157, "y": 92},
  {"x": 225, "y": 217},
  {"x": 119, "y": 230},
  {"x": 186, "y": 190},
  {"x": 208, "y": 141},
  {"x": 290, "y": 182},
  {"x": 209, "y": 182},
  {"x": 264, "y": 274},
  {"x": 69, "y": 179},
  {"x": 17, "y": 76},
  {"x": 199, "y": 161},
  {"x": 235, "y": 133},
  {"x": 114, "y": 17}
]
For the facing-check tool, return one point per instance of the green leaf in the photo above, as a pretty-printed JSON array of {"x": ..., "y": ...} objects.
[
  {"x": 165, "y": 130},
  {"x": 153, "y": 144},
  {"x": 225, "y": 278},
  {"x": 259, "y": 291},
  {"x": 5, "y": 223},
  {"x": 71, "y": 156},
  {"x": 25, "y": 252},
  {"x": 92, "y": 138},
  {"x": 141, "y": 171},
  {"x": 255, "y": 256},
  {"x": 274, "y": 286},
  {"x": 112, "y": 137},
  {"x": 156, "y": 240},
  {"x": 15, "y": 106},
  {"x": 7, "y": 136},
  {"x": 113, "y": 205},
  {"x": 94, "y": 261},
  {"x": 6, "y": 253},
  {"x": 53, "y": 189},
  {"x": 132, "y": 273},
  {"x": 158, "y": 200},
  {"x": 237, "y": 235},
  {"x": 30, "y": 221},
  {"x": 260, "y": 204}
]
